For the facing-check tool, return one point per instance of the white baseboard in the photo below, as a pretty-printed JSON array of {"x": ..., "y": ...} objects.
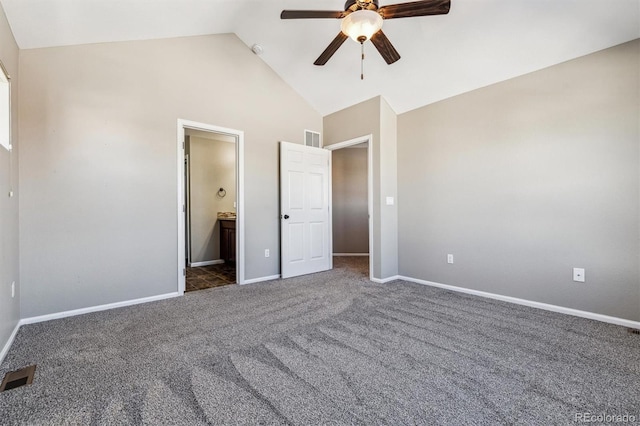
[
  {"x": 206, "y": 263},
  {"x": 261, "y": 279},
  {"x": 7, "y": 345},
  {"x": 547, "y": 307},
  {"x": 98, "y": 308},
  {"x": 385, "y": 280},
  {"x": 351, "y": 254}
]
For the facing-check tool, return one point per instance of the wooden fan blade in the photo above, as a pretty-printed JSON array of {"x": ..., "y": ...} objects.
[
  {"x": 384, "y": 46},
  {"x": 331, "y": 49},
  {"x": 311, "y": 14},
  {"x": 415, "y": 8}
]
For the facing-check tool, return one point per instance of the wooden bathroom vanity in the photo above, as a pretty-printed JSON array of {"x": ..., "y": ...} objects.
[{"x": 228, "y": 239}]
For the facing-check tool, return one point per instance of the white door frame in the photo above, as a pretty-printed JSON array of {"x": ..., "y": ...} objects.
[
  {"x": 240, "y": 245},
  {"x": 345, "y": 144},
  {"x": 187, "y": 205}
]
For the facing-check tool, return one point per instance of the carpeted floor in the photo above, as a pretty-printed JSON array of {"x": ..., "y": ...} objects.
[{"x": 328, "y": 348}]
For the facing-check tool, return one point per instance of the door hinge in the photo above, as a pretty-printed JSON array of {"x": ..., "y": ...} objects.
[
  {"x": 184, "y": 272},
  {"x": 183, "y": 145},
  {"x": 183, "y": 209}
]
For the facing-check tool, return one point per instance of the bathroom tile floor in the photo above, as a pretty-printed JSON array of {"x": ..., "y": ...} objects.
[{"x": 202, "y": 277}]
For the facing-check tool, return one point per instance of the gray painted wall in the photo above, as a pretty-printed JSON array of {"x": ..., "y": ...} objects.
[
  {"x": 9, "y": 263},
  {"x": 374, "y": 117},
  {"x": 389, "y": 188},
  {"x": 350, "y": 217},
  {"x": 524, "y": 180},
  {"x": 521, "y": 181},
  {"x": 99, "y": 166},
  {"x": 212, "y": 167}
]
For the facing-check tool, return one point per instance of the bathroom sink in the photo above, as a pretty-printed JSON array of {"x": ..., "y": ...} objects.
[{"x": 227, "y": 215}]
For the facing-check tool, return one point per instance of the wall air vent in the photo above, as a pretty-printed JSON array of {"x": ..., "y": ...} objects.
[{"x": 312, "y": 139}]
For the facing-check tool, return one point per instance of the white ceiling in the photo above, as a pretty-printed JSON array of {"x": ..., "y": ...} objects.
[{"x": 480, "y": 42}]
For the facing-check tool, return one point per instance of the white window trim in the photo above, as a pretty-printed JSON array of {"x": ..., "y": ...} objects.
[{"x": 5, "y": 75}]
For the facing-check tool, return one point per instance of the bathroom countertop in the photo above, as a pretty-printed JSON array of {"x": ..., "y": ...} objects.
[{"x": 226, "y": 216}]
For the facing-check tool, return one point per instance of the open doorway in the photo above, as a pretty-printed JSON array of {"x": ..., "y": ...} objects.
[
  {"x": 210, "y": 216},
  {"x": 352, "y": 205},
  {"x": 210, "y": 206}
]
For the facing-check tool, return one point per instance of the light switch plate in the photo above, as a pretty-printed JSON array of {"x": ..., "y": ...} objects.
[
  {"x": 389, "y": 201},
  {"x": 578, "y": 275}
]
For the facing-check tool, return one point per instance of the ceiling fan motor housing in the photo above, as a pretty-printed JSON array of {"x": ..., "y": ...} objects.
[{"x": 354, "y": 5}]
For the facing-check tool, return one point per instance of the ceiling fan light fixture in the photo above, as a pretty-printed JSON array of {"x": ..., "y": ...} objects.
[{"x": 361, "y": 24}]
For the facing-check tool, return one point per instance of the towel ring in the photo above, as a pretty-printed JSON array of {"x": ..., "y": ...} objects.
[{"x": 222, "y": 193}]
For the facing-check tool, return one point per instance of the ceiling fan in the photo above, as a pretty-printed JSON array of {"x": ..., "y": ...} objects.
[{"x": 362, "y": 21}]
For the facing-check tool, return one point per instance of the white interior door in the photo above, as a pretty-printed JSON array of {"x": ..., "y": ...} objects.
[{"x": 304, "y": 209}]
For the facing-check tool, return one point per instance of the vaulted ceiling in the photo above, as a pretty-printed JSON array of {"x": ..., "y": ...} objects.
[{"x": 480, "y": 42}]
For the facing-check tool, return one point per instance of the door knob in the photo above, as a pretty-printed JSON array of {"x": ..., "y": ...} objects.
[{"x": 286, "y": 216}]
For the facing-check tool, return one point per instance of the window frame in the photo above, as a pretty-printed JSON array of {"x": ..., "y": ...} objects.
[{"x": 7, "y": 76}]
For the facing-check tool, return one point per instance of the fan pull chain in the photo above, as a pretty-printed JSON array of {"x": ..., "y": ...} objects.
[
  {"x": 362, "y": 39},
  {"x": 362, "y": 61}
]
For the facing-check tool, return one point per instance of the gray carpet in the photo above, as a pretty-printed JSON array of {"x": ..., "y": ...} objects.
[{"x": 329, "y": 348}]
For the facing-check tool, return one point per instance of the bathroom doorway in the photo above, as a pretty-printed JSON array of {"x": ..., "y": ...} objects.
[{"x": 210, "y": 217}]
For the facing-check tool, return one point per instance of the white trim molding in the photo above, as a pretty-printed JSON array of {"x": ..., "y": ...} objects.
[
  {"x": 385, "y": 280},
  {"x": 206, "y": 263},
  {"x": 351, "y": 254},
  {"x": 98, "y": 308},
  {"x": 350, "y": 142},
  {"x": 545, "y": 306},
  {"x": 262, "y": 279},
  {"x": 7, "y": 345}
]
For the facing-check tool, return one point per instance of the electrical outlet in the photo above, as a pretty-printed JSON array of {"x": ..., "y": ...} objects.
[
  {"x": 578, "y": 275},
  {"x": 266, "y": 253},
  {"x": 13, "y": 289},
  {"x": 449, "y": 258}
]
